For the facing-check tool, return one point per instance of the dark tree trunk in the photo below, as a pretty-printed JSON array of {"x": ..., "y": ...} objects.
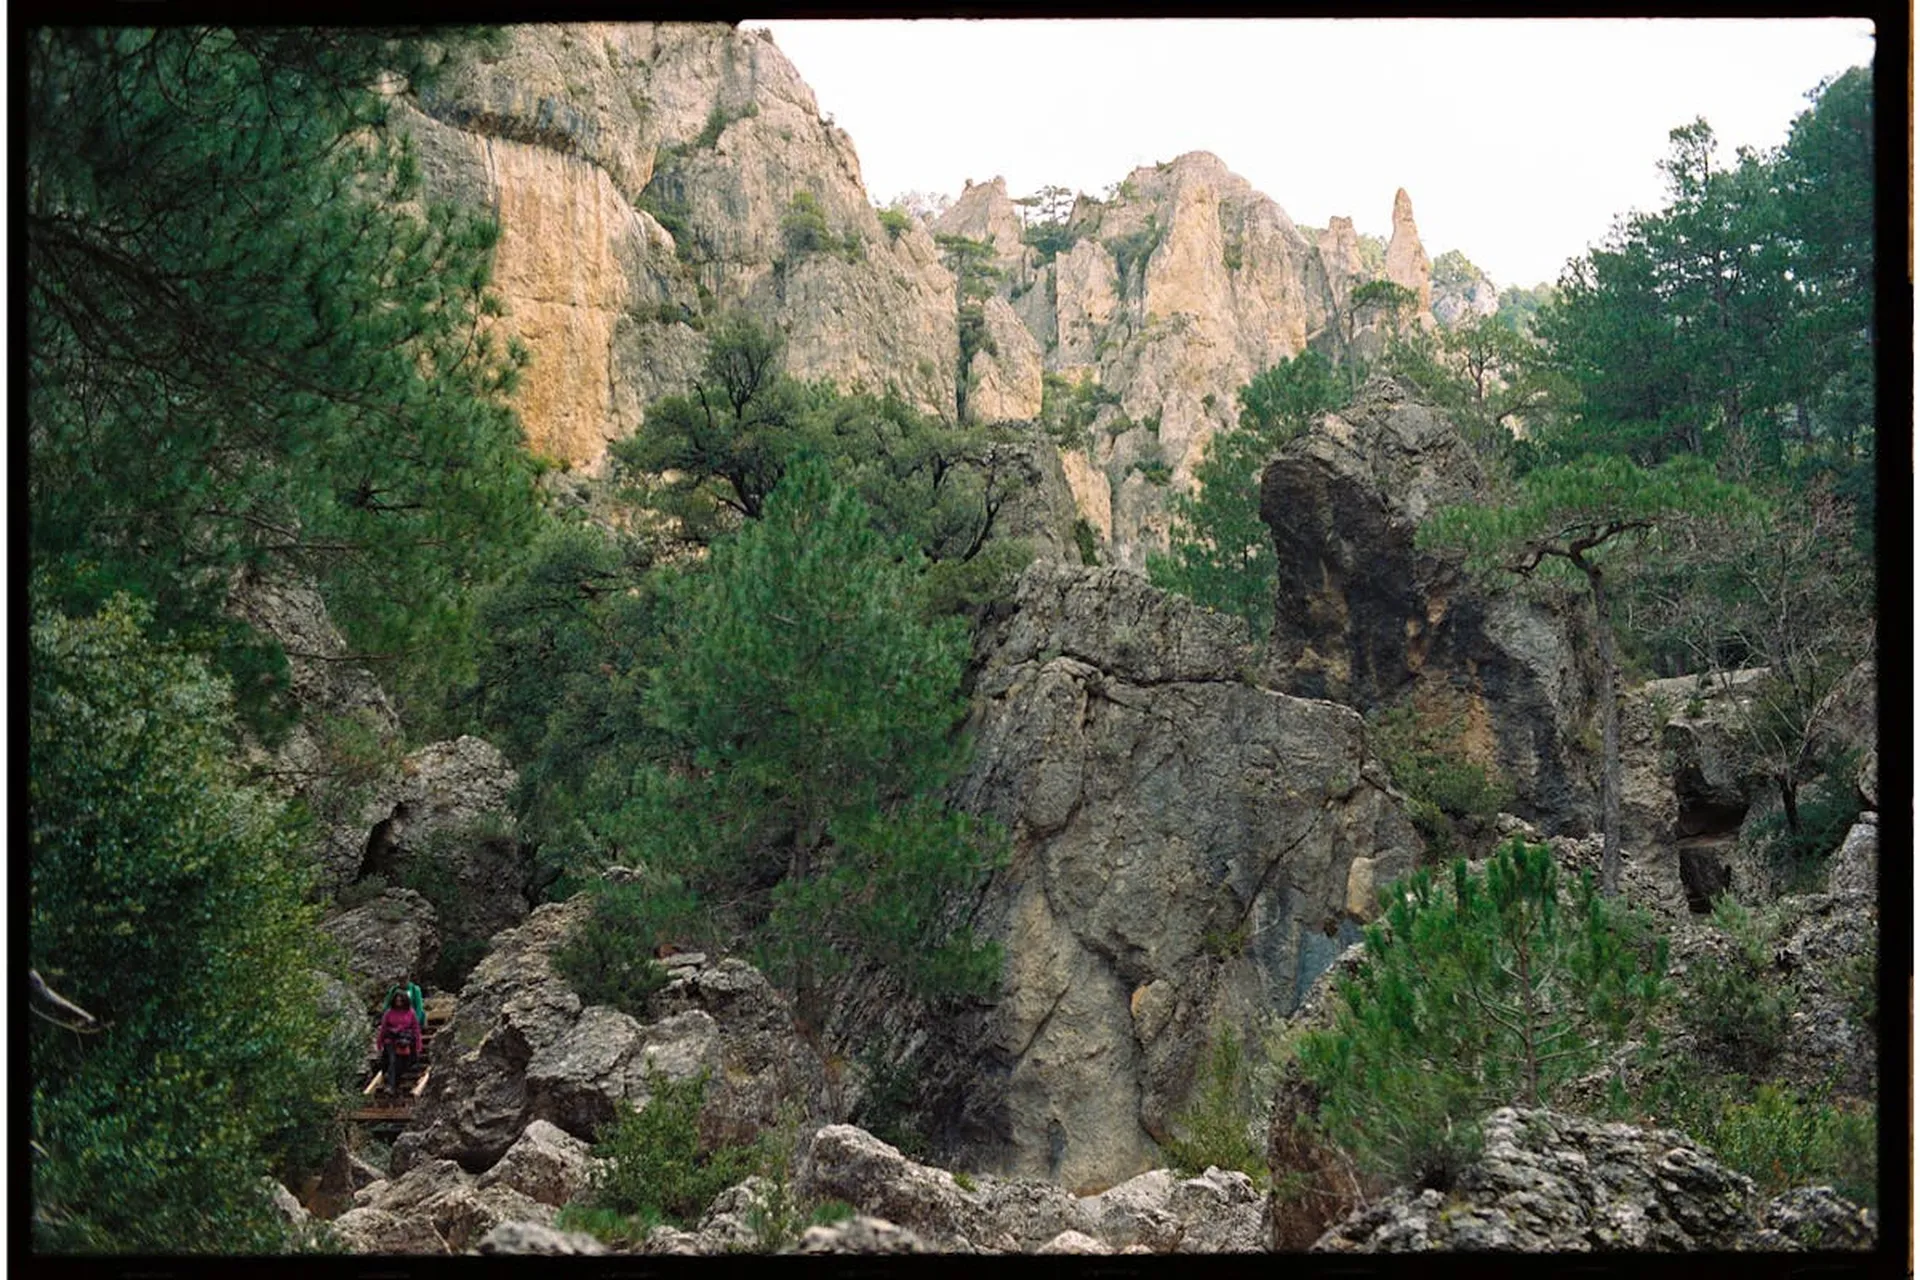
[{"x": 1609, "y": 734}]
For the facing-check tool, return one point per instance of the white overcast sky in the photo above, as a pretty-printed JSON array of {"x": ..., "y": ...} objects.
[{"x": 1518, "y": 140}]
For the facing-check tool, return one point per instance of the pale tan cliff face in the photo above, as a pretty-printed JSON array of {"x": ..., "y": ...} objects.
[
  {"x": 1407, "y": 264},
  {"x": 574, "y": 127}
]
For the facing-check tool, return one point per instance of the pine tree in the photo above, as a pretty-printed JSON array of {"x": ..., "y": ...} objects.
[
  {"x": 1220, "y": 553},
  {"x": 249, "y": 344},
  {"x": 814, "y": 712},
  {"x": 1586, "y": 518},
  {"x": 1491, "y": 988}
]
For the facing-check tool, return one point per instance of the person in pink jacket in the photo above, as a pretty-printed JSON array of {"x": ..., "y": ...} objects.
[{"x": 398, "y": 1042}]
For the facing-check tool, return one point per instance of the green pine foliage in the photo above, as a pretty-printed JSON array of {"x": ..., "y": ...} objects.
[
  {"x": 708, "y": 459},
  {"x": 656, "y": 1168},
  {"x": 165, "y": 903},
  {"x": 248, "y": 343},
  {"x": 1220, "y": 552},
  {"x": 812, "y": 712},
  {"x": 1484, "y": 989}
]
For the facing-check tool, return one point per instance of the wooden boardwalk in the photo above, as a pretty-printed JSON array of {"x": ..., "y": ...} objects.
[{"x": 379, "y": 1107}]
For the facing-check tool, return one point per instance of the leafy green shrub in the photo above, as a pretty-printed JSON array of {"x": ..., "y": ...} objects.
[
  {"x": 1445, "y": 789},
  {"x": 887, "y": 1103},
  {"x": 1799, "y": 859},
  {"x": 1135, "y": 247},
  {"x": 1782, "y": 1140},
  {"x": 608, "y": 959},
  {"x": 717, "y": 121},
  {"x": 1490, "y": 988},
  {"x": 657, "y": 1167},
  {"x": 1155, "y": 471},
  {"x": 1216, "y": 1127},
  {"x": 895, "y": 221},
  {"x": 1739, "y": 1009},
  {"x": 828, "y": 1212},
  {"x": 166, "y": 903},
  {"x": 803, "y": 227}
]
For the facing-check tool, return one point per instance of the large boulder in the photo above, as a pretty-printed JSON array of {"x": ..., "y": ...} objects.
[
  {"x": 1548, "y": 1182},
  {"x": 531, "y": 1237},
  {"x": 1365, "y": 618},
  {"x": 522, "y": 1047},
  {"x": 1155, "y": 1212},
  {"x": 546, "y": 1164},
  {"x": 1183, "y": 842},
  {"x": 1856, "y": 864},
  {"x": 386, "y": 940},
  {"x": 435, "y": 1207}
]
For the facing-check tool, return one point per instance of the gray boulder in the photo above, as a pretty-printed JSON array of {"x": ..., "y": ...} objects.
[
  {"x": 532, "y": 1237},
  {"x": 547, "y": 1164},
  {"x": 392, "y": 938},
  {"x": 1815, "y": 1218},
  {"x": 861, "y": 1234},
  {"x": 371, "y": 1230},
  {"x": 522, "y": 1047},
  {"x": 1155, "y": 1212},
  {"x": 435, "y": 1207},
  {"x": 1548, "y": 1182},
  {"x": 1856, "y": 865}
]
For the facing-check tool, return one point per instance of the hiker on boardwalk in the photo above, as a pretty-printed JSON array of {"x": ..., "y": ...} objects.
[{"x": 398, "y": 1042}]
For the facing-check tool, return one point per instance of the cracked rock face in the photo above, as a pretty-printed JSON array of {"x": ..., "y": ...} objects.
[
  {"x": 1183, "y": 842},
  {"x": 577, "y": 134},
  {"x": 1363, "y": 617},
  {"x": 1549, "y": 1182}
]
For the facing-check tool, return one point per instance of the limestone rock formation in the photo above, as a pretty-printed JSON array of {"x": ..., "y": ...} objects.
[
  {"x": 388, "y": 939},
  {"x": 1003, "y": 381},
  {"x": 1548, "y": 1182},
  {"x": 861, "y": 1234},
  {"x": 522, "y": 1048},
  {"x": 1183, "y": 839},
  {"x": 1364, "y": 618},
  {"x": 532, "y": 1238},
  {"x": 1407, "y": 262},
  {"x": 1856, "y": 864},
  {"x": 1155, "y": 1212},
  {"x": 643, "y": 176},
  {"x": 436, "y": 1207},
  {"x": 444, "y": 819},
  {"x": 985, "y": 212}
]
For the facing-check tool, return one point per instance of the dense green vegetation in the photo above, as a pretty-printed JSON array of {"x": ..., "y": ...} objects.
[
  {"x": 246, "y": 348},
  {"x": 253, "y": 346},
  {"x": 166, "y": 907},
  {"x": 1489, "y": 988},
  {"x": 1220, "y": 552}
]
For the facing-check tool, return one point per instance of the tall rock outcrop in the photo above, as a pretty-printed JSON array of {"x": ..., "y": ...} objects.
[
  {"x": 1184, "y": 840},
  {"x": 1407, "y": 262},
  {"x": 646, "y": 176},
  {"x": 1366, "y": 619},
  {"x": 1171, "y": 295}
]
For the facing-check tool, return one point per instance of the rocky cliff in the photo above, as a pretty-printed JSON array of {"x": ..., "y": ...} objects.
[
  {"x": 644, "y": 177},
  {"x": 1172, "y": 294},
  {"x": 1190, "y": 849},
  {"x": 1366, "y": 619}
]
